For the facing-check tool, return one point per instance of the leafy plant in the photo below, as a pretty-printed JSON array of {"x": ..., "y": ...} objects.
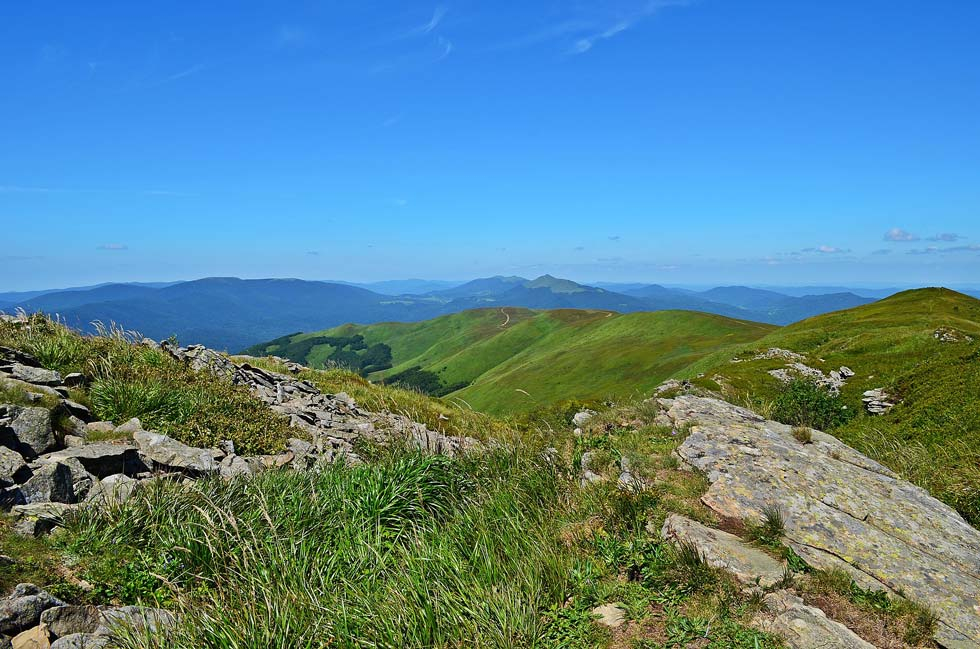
[{"x": 804, "y": 403}]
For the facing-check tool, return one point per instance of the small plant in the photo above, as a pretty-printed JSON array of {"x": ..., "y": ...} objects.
[
  {"x": 803, "y": 434},
  {"x": 804, "y": 403},
  {"x": 770, "y": 530}
]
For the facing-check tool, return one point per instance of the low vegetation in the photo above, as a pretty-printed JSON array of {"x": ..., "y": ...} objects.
[
  {"x": 920, "y": 346},
  {"x": 126, "y": 380}
]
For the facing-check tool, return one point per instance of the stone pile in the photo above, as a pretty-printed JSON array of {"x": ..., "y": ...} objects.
[
  {"x": 950, "y": 335},
  {"x": 877, "y": 401},
  {"x": 31, "y": 618},
  {"x": 333, "y": 422},
  {"x": 833, "y": 380}
]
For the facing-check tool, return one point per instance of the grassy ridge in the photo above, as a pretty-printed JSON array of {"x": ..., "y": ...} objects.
[
  {"x": 890, "y": 344},
  {"x": 516, "y": 360}
]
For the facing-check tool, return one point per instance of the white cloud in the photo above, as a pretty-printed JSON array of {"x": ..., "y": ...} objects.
[
  {"x": 112, "y": 246},
  {"x": 898, "y": 234},
  {"x": 947, "y": 236}
]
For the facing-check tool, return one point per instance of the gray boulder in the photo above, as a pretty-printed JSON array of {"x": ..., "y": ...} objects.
[
  {"x": 81, "y": 480},
  {"x": 101, "y": 458},
  {"x": 130, "y": 427},
  {"x": 35, "y": 375},
  {"x": 13, "y": 468},
  {"x": 81, "y": 641},
  {"x": 67, "y": 620},
  {"x": 51, "y": 482},
  {"x": 74, "y": 379},
  {"x": 142, "y": 620},
  {"x": 805, "y": 627},
  {"x": 22, "y": 609},
  {"x": 76, "y": 410},
  {"x": 27, "y": 430},
  {"x": 167, "y": 453},
  {"x": 113, "y": 489},
  {"x": 37, "y": 519}
]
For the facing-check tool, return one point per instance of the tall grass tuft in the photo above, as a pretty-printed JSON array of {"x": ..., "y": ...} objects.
[{"x": 415, "y": 551}]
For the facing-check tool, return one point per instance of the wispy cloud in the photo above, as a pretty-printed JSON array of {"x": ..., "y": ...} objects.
[
  {"x": 437, "y": 15},
  {"x": 194, "y": 69},
  {"x": 112, "y": 246},
  {"x": 579, "y": 248},
  {"x": 947, "y": 236},
  {"x": 391, "y": 121},
  {"x": 313, "y": 253},
  {"x": 446, "y": 45},
  {"x": 615, "y": 237},
  {"x": 589, "y": 41},
  {"x": 898, "y": 234},
  {"x": 936, "y": 250},
  {"x": 548, "y": 34},
  {"x": 882, "y": 251},
  {"x": 23, "y": 189},
  {"x": 20, "y": 189}
]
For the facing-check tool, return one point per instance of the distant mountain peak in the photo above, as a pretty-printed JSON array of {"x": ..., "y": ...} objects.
[{"x": 556, "y": 285}]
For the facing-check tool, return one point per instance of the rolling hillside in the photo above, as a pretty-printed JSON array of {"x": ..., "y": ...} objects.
[
  {"x": 509, "y": 359},
  {"x": 229, "y": 313}
]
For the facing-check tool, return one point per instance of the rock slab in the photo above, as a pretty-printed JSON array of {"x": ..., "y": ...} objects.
[
  {"x": 841, "y": 510},
  {"x": 749, "y": 565}
]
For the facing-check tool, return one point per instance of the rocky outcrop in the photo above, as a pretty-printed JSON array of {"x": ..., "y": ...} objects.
[
  {"x": 950, "y": 335},
  {"x": 22, "y": 608},
  {"x": 333, "y": 422},
  {"x": 37, "y": 619},
  {"x": 841, "y": 509},
  {"x": 167, "y": 454},
  {"x": 833, "y": 381},
  {"x": 46, "y": 472},
  {"x": 877, "y": 401}
]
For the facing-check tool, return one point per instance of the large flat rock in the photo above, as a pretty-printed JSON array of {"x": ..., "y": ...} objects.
[{"x": 841, "y": 509}]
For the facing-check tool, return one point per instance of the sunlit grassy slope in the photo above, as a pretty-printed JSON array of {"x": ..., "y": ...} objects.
[
  {"x": 889, "y": 344},
  {"x": 515, "y": 359}
]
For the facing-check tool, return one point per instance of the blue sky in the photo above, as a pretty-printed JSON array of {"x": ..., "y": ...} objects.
[{"x": 710, "y": 141}]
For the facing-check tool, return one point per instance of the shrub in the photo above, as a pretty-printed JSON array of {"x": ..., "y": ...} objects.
[{"x": 804, "y": 403}]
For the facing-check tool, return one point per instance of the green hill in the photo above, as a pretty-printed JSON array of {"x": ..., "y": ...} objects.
[
  {"x": 922, "y": 347},
  {"x": 513, "y": 359}
]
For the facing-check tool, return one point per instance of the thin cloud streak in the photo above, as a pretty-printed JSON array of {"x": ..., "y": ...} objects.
[
  {"x": 437, "y": 15},
  {"x": 583, "y": 45}
]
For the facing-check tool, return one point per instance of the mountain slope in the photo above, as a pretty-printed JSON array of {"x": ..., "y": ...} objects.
[
  {"x": 508, "y": 359},
  {"x": 922, "y": 347},
  {"x": 231, "y": 313}
]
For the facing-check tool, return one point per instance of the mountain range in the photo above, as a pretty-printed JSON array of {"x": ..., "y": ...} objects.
[{"x": 232, "y": 314}]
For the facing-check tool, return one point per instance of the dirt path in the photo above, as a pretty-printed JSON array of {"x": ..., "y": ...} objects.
[{"x": 506, "y": 315}]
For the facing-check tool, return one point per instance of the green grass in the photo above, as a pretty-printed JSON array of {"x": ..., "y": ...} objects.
[
  {"x": 541, "y": 357},
  {"x": 130, "y": 380},
  {"x": 502, "y": 549}
]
